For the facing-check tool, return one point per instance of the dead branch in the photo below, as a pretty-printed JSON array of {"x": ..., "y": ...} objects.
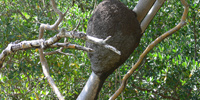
[
  {"x": 56, "y": 52},
  {"x": 66, "y": 46},
  {"x": 42, "y": 44},
  {"x": 71, "y": 46},
  {"x": 51, "y": 43},
  {"x": 150, "y": 47},
  {"x": 43, "y": 61}
]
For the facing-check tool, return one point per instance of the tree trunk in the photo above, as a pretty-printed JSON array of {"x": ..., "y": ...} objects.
[
  {"x": 92, "y": 88},
  {"x": 110, "y": 18}
]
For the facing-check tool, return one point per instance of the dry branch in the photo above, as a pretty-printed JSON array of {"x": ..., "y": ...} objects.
[
  {"x": 51, "y": 43},
  {"x": 42, "y": 44},
  {"x": 149, "y": 48},
  {"x": 43, "y": 61}
]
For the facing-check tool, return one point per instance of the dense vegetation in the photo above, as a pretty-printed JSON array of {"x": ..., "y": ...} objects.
[{"x": 170, "y": 71}]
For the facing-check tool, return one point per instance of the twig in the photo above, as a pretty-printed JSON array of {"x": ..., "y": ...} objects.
[
  {"x": 71, "y": 46},
  {"x": 58, "y": 51},
  {"x": 195, "y": 39},
  {"x": 77, "y": 25}
]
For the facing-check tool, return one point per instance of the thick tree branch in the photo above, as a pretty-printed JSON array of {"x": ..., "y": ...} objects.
[
  {"x": 150, "y": 47},
  {"x": 142, "y": 8},
  {"x": 91, "y": 88},
  {"x": 146, "y": 10},
  {"x": 145, "y": 22}
]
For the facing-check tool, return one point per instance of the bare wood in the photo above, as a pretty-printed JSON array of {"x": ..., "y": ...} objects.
[
  {"x": 149, "y": 48},
  {"x": 51, "y": 43},
  {"x": 55, "y": 25},
  {"x": 43, "y": 61},
  {"x": 142, "y": 8}
]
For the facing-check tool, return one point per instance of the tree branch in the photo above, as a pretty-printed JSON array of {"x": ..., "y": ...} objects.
[
  {"x": 51, "y": 43},
  {"x": 149, "y": 48},
  {"x": 151, "y": 14},
  {"x": 142, "y": 8},
  {"x": 43, "y": 61}
]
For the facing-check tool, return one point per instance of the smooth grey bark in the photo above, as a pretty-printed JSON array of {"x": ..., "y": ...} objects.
[
  {"x": 142, "y": 8},
  {"x": 110, "y": 18},
  {"x": 91, "y": 88},
  {"x": 150, "y": 15},
  {"x": 146, "y": 10}
]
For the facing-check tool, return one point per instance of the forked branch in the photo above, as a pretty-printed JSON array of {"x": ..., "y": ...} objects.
[
  {"x": 43, "y": 61},
  {"x": 142, "y": 8},
  {"x": 149, "y": 48},
  {"x": 52, "y": 43},
  {"x": 145, "y": 22}
]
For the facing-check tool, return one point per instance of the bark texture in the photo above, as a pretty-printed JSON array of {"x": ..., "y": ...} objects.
[{"x": 112, "y": 18}]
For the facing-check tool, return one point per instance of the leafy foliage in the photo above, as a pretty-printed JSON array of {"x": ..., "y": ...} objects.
[{"x": 170, "y": 71}]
